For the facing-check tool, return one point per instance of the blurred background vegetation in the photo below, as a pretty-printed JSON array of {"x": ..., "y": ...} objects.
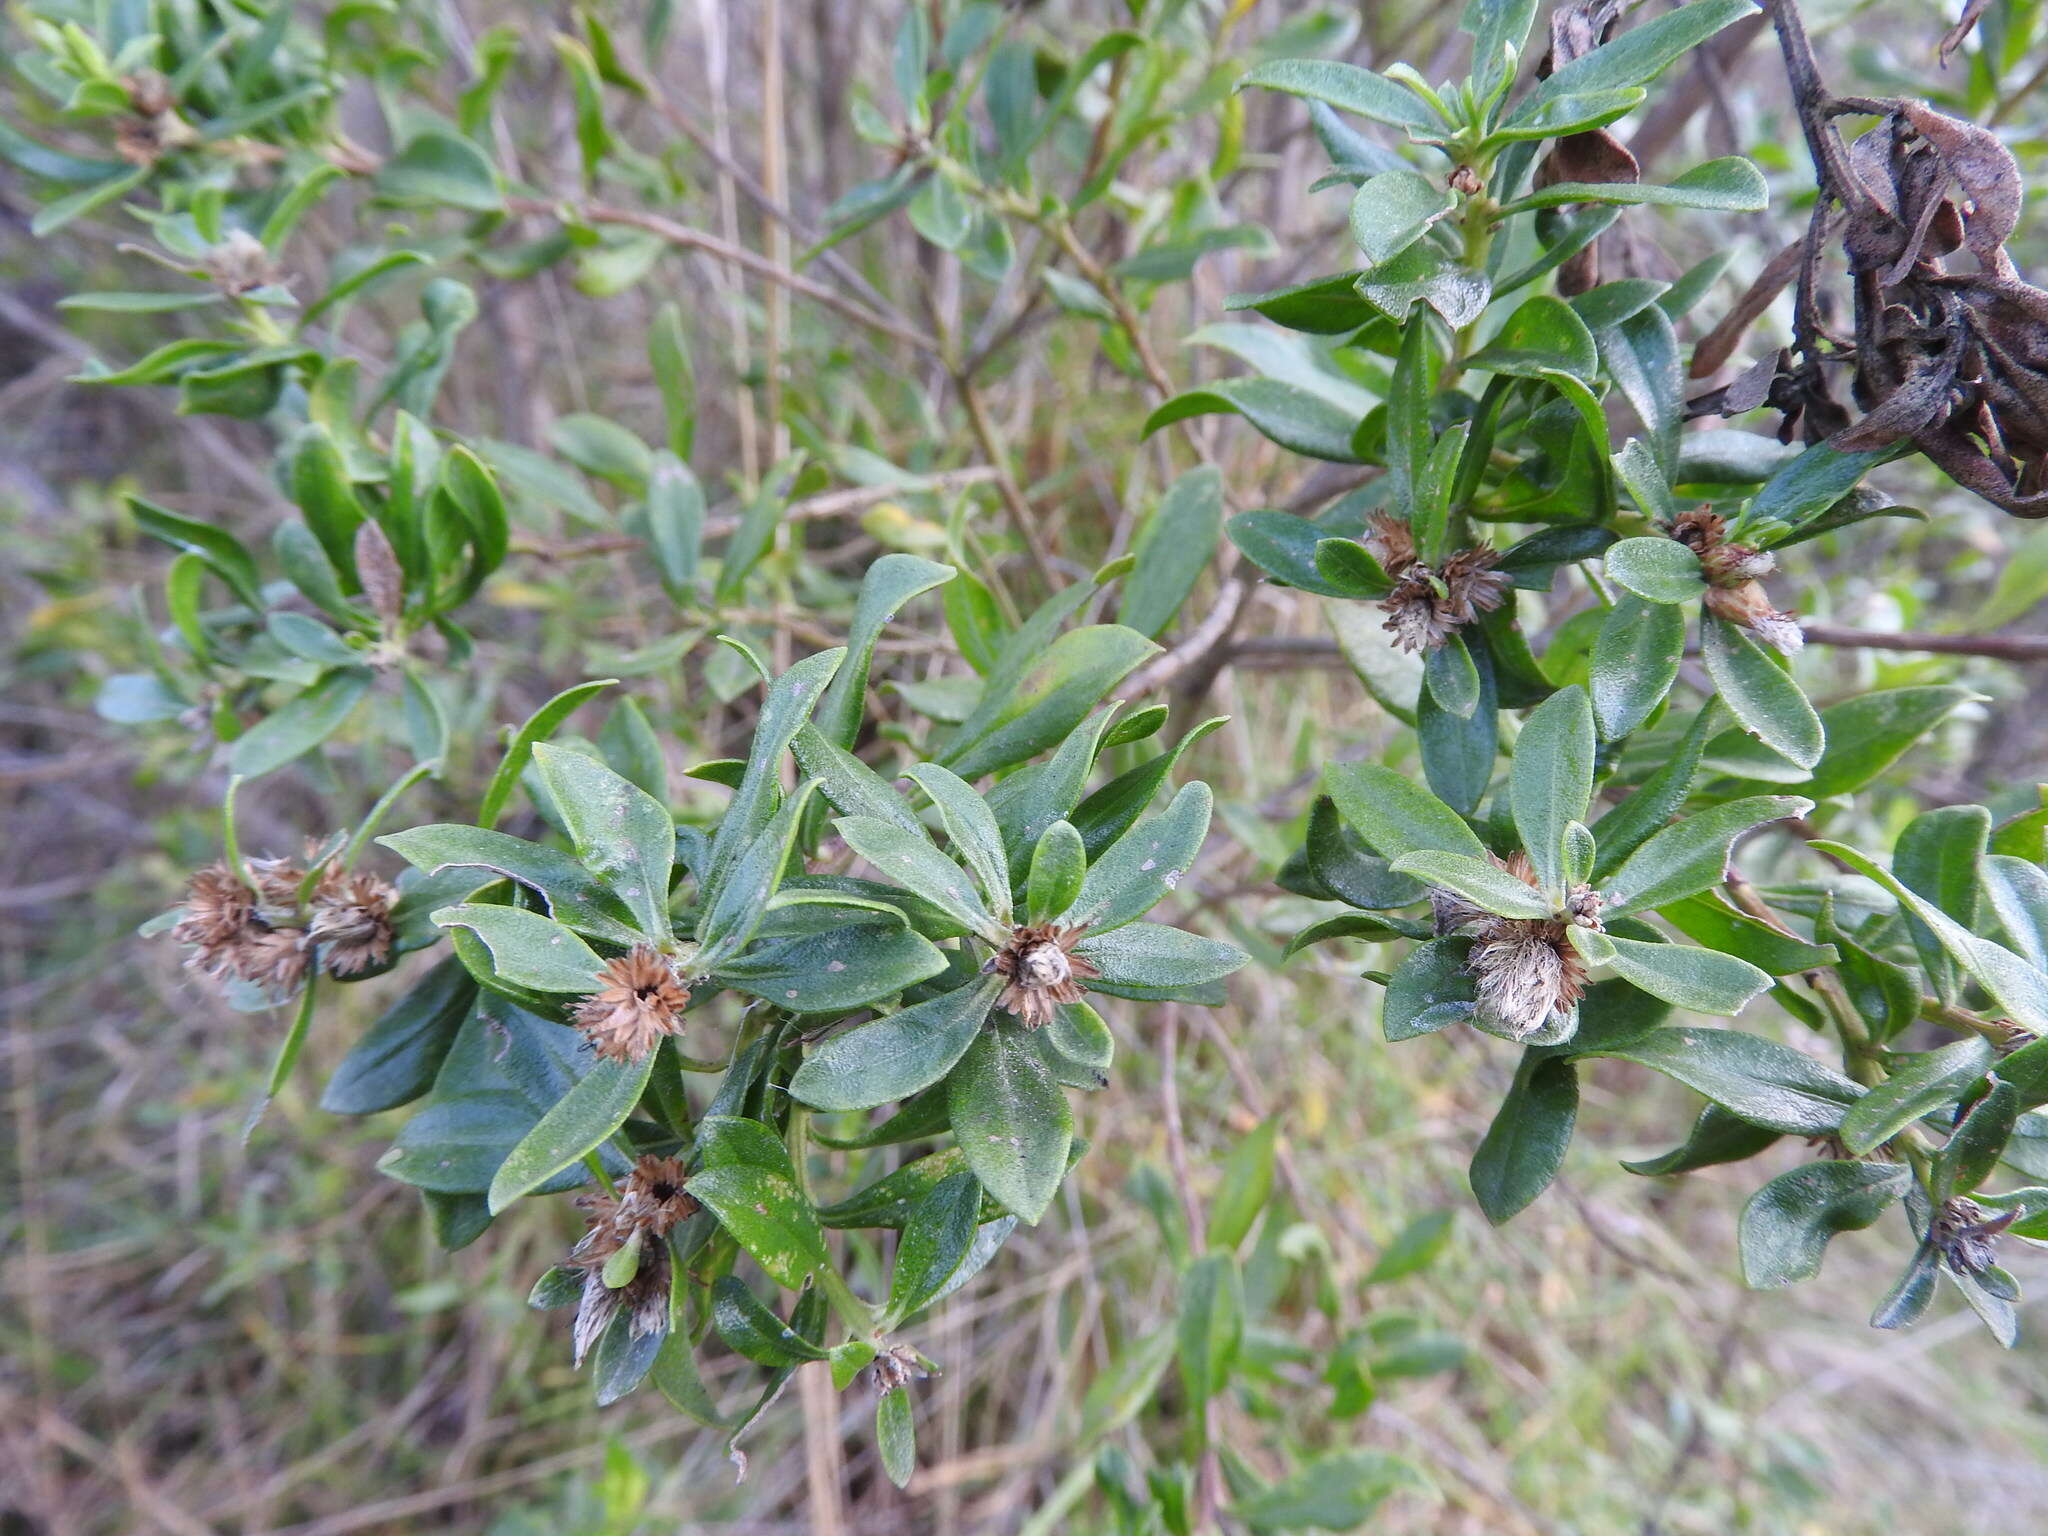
[{"x": 202, "y": 1333}]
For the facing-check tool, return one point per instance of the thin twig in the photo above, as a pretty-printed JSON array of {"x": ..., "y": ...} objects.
[{"x": 725, "y": 250}]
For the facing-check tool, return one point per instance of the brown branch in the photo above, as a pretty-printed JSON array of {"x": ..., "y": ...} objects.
[
  {"x": 738, "y": 255},
  {"x": 2015, "y": 648}
]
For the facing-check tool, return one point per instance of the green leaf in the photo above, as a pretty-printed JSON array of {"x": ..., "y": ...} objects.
[
  {"x": 396, "y": 1059},
  {"x": 675, "y": 523},
  {"x": 1630, "y": 824},
  {"x": 1908, "y": 1300},
  {"x": 731, "y": 919},
  {"x": 1543, "y": 334},
  {"x": 1338, "y": 1491},
  {"x": 897, "y": 1055},
  {"x": 1939, "y": 855},
  {"x": 580, "y": 1122},
  {"x": 1421, "y": 274},
  {"x": 1414, "y": 1248},
  {"x": 1760, "y": 694},
  {"x": 745, "y": 1322},
  {"x": 909, "y": 859},
  {"x": 1787, "y": 1224},
  {"x": 1717, "y": 1137},
  {"x": 1731, "y": 185},
  {"x": 1549, "y": 117},
  {"x": 768, "y": 1216},
  {"x": 1429, "y": 990},
  {"x": 1174, "y": 549},
  {"x": 896, "y": 1432},
  {"x": 1029, "y": 801},
  {"x": 1525, "y": 1146},
  {"x": 1391, "y": 212},
  {"x": 1692, "y": 856},
  {"x": 1244, "y": 1188},
  {"x": 1395, "y": 815},
  {"x": 1484, "y": 883},
  {"x": 1768, "y": 1084},
  {"x": 1656, "y": 569},
  {"x": 971, "y": 828},
  {"x": 622, "y": 834},
  {"x": 1348, "y": 88},
  {"x": 785, "y": 707},
  {"x": 1800, "y": 492},
  {"x": 2018, "y": 893},
  {"x": 1551, "y": 782},
  {"x": 573, "y": 897},
  {"x": 1974, "y": 1147},
  {"x": 54, "y": 215},
  {"x": 1136, "y": 871},
  {"x": 1928, "y": 1082},
  {"x": 1635, "y": 661},
  {"x": 855, "y": 963},
  {"x": 935, "y": 1243},
  {"x": 1458, "y": 755},
  {"x": 889, "y": 583},
  {"x": 1151, "y": 955},
  {"x": 1051, "y": 697},
  {"x": 1298, "y": 419},
  {"x": 222, "y": 552},
  {"x": 438, "y": 169},
  {"x": 1210, "y": 1328},
  {"x": 301, "y": 723},
  {"x": 1451, "y": 676},
  {"x": 1700, "y": 980},
  {"x": 1058, "y": 866},
  {"x": 539, "y": 726},
  {"x": 1640, "y": 54},
  {"x": 1011, "y": 1119},
  {"x": 528, "y": 950},
  {"x": 2017, "y": 987},
  {"x": 1868, "y": 733},
  {"x": 1712, "y": 923},
  {"x": 1287, "y": 548}
]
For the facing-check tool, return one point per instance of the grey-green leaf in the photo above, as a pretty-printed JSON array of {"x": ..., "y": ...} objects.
[{"x": 897, "y": 1055}]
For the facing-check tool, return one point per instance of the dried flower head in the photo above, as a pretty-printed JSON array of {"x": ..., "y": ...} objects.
[
  {"x": 1734, "y": 572},
  {"x": 649, "y": 1203},
  {"x": 231, "y": 936},
  {"x": 352, "y": 922},
  {"x": 1525, "y": 969},
  {"x": 1042, "y": 969},
  {"x": 1967, "y": 1236},
  {"x": 153, "y": 128},
  {"x": 218, "y": 906},
  {"x": 1426, "y": 607},
  {"x": 640, "y": 999},
  {"x": 896, "y": 1368},
  {"x": 278, "y": 882},
  {"x": 239, "y": 264},
  {"x": 1391, "y": 542}
]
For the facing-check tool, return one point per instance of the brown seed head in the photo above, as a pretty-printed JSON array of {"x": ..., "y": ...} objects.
[
  {"x": 639, "y": 1000},
  {"x": 1967, "y": 1235},
  {"x": 1525, "y": 969},
  {"x": 352, "y": 922},
  {"x": 896, "y": 1368},
  {"x": 1425, "y": 607},
  {"x": 1043, "y": 971}
]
